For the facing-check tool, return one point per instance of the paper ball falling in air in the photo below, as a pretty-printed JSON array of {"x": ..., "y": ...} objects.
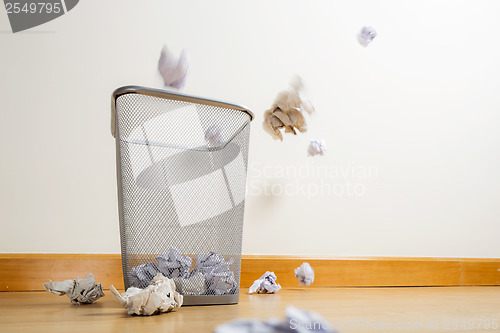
[
  {"x": 287, "y": 111},
  {"x": 213, "y": 135},
  {"x": 173, "y": 68},
  {"x": 316, "y": 147},
  {"x": 305, "y": 274},
  {"x": 366, "y": 36}
]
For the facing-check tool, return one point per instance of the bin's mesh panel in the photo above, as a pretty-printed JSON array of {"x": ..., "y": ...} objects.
[{"x": 183, "y": 174}]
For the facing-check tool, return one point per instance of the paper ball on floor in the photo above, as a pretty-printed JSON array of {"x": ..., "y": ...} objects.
[
  {"x": 79, "y": 291},
  {"x": 265, "y": 284},
  {"x": 160, "y": 296}
]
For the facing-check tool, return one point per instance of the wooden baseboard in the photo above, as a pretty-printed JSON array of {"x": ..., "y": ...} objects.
[{"x": 23, "y": 272}]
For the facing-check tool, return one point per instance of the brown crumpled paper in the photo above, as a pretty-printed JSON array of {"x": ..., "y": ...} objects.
[{"x": 287, "y": 111}]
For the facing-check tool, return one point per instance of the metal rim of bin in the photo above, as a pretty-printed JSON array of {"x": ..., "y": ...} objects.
[
  {"x": 170, "y": 95},
  {"x": 188, "y": 299}
]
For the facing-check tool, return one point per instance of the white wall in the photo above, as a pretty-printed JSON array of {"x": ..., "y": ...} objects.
[{"x": 414, "y": 116}]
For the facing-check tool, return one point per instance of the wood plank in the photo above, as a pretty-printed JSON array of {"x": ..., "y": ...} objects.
[
  {"x": 480, "y": 272},
  {"x": 20, "y": 272},
  {"x": 357, "y": 272},
  {"x": 23, "y": 272}
]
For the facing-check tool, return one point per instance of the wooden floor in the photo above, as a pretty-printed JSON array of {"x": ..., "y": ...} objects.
[{"x": 416, "y": 309}]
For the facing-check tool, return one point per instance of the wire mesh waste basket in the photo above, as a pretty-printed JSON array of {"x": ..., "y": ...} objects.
[{"x": 181, "y": 169}]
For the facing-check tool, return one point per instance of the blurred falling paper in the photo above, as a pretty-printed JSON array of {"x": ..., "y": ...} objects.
[
  {"x": 305, "y": 274},
  {"x": 265, "y": 284},
  {"x": 160, "y": 296},
  {"x": 297, "y": 321},
  {"x": 287, "y": 111},
  {"x": 366, "y": 36},
  {"x": 173, "y": 264},
  {"x": 252, "y": 326},
  {"x": 316, "y": 147},
  {"x": 79, "y": 291},
  {"x": 213, "y": 135},
  {"x": 173, "y": 68}
]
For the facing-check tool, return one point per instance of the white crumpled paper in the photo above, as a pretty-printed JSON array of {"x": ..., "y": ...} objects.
[
  {"x": 305, "y": 274},
  {"x": 287, "y": 111},
  {"x": 211, "y": 276},
  {"x": 141, "y": 275},
  {"x": 173, "y": 264},
  {"x": 316, "y": 147},
  {"x": 79, "y": 291},
  {"x": 219, "y": 277},
  {"x": 160, "y": 296},
  {"x": 213, "y": 135},
  {"x": 297, "y": 321},
  {"x": 195, "y": 284},
  {"x": 173, "y": 68},
  {"x": 265, "y": 284},
  {"x": 366, "y": 36}
]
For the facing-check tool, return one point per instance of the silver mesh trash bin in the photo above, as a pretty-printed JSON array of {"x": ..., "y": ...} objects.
[{"x": 181, "y": 170}]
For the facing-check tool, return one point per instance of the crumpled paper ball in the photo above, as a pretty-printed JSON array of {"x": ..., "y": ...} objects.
[
  {"x": 206, "y": 262},
  {"x": 305, "y": 274},
  {"x": 79, "y": 291},
  {"x": 219, "y": 277},
  {"x": 213, "y": 135},
  {"x": 316, "y": 147},
  {"x": 265, "y": 284},
  {"x": 160, "y": 296},
  {"x": 141, "y": 275},
  {"x": 366, "y": 36},
  {"x": 173, "y": 264},
  {"x": 173, "y": 68},
  {"x": 287, "y": 111},
  {"x": 297, "y": 321}
]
